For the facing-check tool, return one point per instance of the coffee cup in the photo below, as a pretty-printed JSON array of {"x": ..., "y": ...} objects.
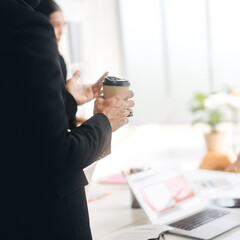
[{"x": 114, "y": 85}]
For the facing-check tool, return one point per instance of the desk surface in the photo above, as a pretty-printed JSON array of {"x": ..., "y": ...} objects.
[
  {"x": 141, "y": 146},
  {"x": 113, "y": 213}
]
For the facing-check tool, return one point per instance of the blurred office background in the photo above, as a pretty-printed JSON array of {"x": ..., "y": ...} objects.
[{"x": 168, "y": 49}]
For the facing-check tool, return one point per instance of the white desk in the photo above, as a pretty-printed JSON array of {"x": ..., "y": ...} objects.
[
  {"x": 113, "y": 213},
  {"x": 142, "y": 146}
]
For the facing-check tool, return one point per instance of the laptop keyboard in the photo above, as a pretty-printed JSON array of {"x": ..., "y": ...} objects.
[{"x": 198, "y": 219}]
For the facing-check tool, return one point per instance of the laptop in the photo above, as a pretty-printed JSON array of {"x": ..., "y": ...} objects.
[{"x": 169, "y": 198}]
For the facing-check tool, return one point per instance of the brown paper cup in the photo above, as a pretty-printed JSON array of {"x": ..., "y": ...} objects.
[
  {"x": 110, "y": 91},
  {"x": 113, "y": 86}
]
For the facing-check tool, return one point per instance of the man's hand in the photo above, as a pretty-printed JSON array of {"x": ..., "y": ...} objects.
[
  {"x": 84, "y": 93},
  {"x": 235, "y": 167},
  {"x": 115, "y": 108}
]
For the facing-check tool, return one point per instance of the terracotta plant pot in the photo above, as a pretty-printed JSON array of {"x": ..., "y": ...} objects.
[
  {"x": 216, "y": 161},
  {"x": 215, "y": 141}
]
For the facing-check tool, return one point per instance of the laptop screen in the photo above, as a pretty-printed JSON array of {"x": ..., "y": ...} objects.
[
  {"x": 161, "y": 191},
  {"x": 164, "y": 194}
]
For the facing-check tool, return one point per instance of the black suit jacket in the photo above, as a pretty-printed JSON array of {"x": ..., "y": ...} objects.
[
  {"x": 70, "y": 103},
  {"x": 41, "y": 162}
]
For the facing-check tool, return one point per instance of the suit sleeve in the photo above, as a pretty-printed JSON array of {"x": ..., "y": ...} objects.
[{"x": 65, "y": 152}]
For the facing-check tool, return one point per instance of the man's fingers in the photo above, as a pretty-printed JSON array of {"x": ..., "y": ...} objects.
[
  {"x": 126, "y": 95},
  {"x": 125, "y": 113},
  {"x": 76, "y": 75},
  {"x": 97, "y": 93},
  {"x": 124, "y": 104},
  {"x": 98, "y": 85},
  {"x": 124, "y": 121},
  {"x": 122, "y": 99},
  {"x": 127, "y": 104},
  {"x": 100, "y": 98},
  {"x": 100, "y": 92},
  {"x": 103, "y": 76},
  {"x": 100, "y": 80},
  {"x": 130, "y": 103}
]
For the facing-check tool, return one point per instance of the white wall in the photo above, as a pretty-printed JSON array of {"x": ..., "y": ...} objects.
[
  {"x": 187, "y": 52},
  {"x": 179, "y": 47},
  {"x": 143, "y": 57},
  {"x": 168, "y": 40},
  {"x": 225, "y": 30}
]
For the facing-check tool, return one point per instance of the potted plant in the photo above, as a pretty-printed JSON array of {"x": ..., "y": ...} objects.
[{"x": 210, "y": 112}]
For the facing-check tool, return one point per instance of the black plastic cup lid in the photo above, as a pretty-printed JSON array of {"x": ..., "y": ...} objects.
[{"x": 114, "y": 81}]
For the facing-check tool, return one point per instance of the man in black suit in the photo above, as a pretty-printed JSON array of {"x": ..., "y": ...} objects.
[{"x": 42, "y": 160}]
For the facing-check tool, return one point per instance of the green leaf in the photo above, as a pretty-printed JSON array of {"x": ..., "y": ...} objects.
[
  {"x": 196, "y": 109},
  {"x": 215, "y": 117},
  {"x": 197, "y": 103}
]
